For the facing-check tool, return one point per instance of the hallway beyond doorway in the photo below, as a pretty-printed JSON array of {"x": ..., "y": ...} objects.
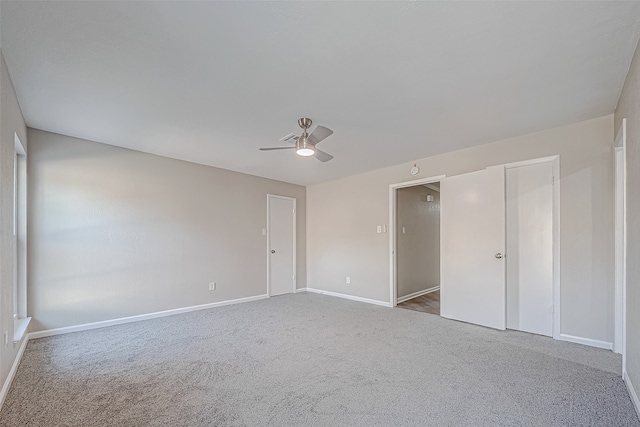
[{"x": 428, "y": 303}]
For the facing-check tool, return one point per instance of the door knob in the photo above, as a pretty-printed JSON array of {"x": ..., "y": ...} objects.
[
  {"x": 272, "y": 251},
  {"x": 499, "y": 255}
]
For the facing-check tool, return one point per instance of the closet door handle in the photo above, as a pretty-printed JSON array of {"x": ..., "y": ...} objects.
[
  {"x": 499, "y": 255},
  {"x": 272, "y": 251}
]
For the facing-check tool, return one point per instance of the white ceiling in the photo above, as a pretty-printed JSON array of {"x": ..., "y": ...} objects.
[{"x": 397, "y": 81}]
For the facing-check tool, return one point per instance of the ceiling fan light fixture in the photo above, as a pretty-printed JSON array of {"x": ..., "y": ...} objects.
[
  {"x": 303, "y": 148},
  {"x": 305, "y": 152}
]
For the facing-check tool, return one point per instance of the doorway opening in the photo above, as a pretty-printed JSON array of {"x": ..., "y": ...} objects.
[
  {"x": 418, "y": 247},
  {"x": 415, "y": 239}
]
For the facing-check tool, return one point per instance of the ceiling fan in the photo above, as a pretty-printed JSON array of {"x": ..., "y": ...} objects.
[{"x": 305, "y": 144}]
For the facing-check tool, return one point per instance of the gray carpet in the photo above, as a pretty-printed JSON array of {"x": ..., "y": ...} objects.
[{"x": 313, "y": 360}]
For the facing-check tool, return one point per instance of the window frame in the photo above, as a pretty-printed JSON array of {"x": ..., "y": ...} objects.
[{"x": 19, "y": 291}]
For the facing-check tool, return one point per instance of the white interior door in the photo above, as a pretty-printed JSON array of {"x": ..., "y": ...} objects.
[
  {"x": 281, "y": 223},
  {"x": 529, "y": 191},
  {"x": 472, "y": 238}
]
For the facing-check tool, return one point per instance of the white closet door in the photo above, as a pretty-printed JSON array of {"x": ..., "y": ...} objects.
[
  {"x": 282, "y": 245},
  {"x": 472, "y": 235},
  {"x": 529, "y": 192}
]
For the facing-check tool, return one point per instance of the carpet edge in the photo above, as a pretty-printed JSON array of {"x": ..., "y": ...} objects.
[
  {"x": 632, "y": 392},
  {"x": 14, "y": 368}
]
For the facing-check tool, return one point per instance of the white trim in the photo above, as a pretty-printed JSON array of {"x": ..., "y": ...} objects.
[
  {"x": 432, "y": 187},
  {"x": 295, "y": 275},
  {"x": 345, "y": 296},
  {"x": 19, "y": 230},
  {"x": 20, "y": 328},
  {"x": 586, "y": 341},
  {"x": 12, "y": 372},
  {"x": 17, "y": 145},
  {"x": 147, "y": 316},
  {"x": 393, "y": 283},
  {"x": 529, "y": 162},
  {"x": 420, "y": 181},
  {"x": 620, "y": 297},
  {"x": 632, "y": 392},
  {"x": 557, "y": 302},
  {"x": 619, "y": 246},
  {"x": 417, "y": 294}
]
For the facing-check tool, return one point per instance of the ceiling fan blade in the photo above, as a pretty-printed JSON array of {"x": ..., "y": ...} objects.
[
  {"x": 322, "y": 156},
  {"x": 292, "y": 138},
  {"x": 276, "y": 148},
  {"x": 318, "y": 134}
]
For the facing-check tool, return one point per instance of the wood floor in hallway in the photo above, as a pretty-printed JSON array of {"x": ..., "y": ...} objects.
[{"x": 428, "y": 303}]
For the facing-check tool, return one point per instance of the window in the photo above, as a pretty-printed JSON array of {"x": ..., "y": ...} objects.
[{"x": 21, "y": 321}]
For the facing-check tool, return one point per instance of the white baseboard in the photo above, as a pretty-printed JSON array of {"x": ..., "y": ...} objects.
[
  {"x": 113, "y": 322},
  {"x": 586, "y": 341},
  {"x": 345, "y": 296},
  {"x": 417, "y": 294},
  {"x": 632, "y": 392},
  {"x": 12, "y": 372}
]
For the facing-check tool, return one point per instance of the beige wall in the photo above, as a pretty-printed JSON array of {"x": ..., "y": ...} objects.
[
  {"x": 344, "y": 213},
  {"x": 629, "y": 107},
  {"x": 419, "y": 246},
  {"x": 11, "y": 122},
  {"x": 115, "y": 232}
]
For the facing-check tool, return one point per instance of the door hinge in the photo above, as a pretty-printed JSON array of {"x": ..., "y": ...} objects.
[{"x": 553, "y": 180}]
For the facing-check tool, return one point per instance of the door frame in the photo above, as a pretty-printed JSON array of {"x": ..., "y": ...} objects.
[
  {"x": 555, "y": 165},
  {"x": 393, "y": 244},
  {"x": 295, "y": 275},
  {"x": 620, "y": 147}
]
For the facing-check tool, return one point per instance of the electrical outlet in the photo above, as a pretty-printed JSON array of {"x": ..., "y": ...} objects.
[
  {"x": 212, "y": 286},
  {"x": 348, "y": 279}
]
